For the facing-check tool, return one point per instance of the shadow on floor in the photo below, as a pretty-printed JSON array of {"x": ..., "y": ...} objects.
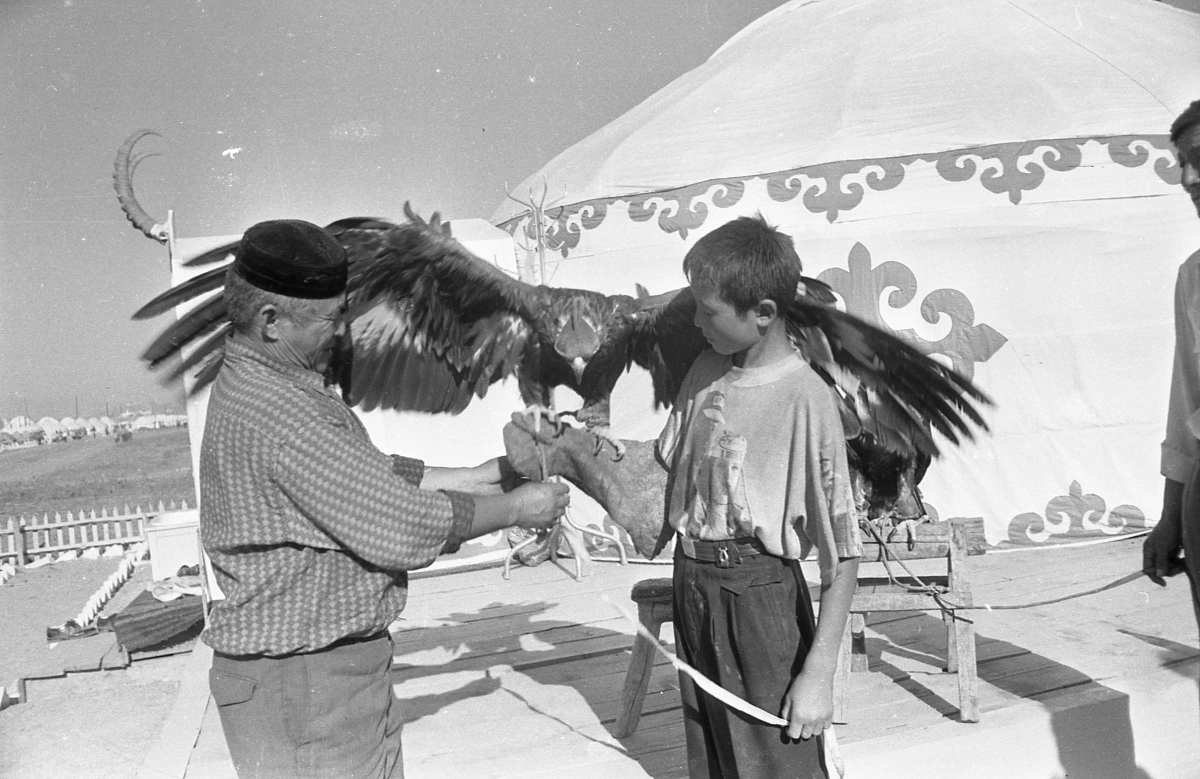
[
  {"x": 591, "y": 660},
  {"x": 1094, "y": 740}
]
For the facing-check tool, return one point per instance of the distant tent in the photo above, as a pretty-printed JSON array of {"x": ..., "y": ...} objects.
[
  {"x": 990, "y": 178},
  {"x": 53, "y": 429},
  {"x": 144, "y": 422}
]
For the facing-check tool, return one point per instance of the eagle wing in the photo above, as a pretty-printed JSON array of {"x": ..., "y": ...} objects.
[
  {"x": 431, "y": 325},
  {"x": 887, "y": 387},
  {"x": 665, "y": 340}
]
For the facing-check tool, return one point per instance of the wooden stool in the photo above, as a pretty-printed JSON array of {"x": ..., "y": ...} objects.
[
  {"x": 952, "y": 540},
  {"x": 654, "y": 599}
]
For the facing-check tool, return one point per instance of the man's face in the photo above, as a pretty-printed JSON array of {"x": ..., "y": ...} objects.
[
  {"x": 727, "y": 331},
  {"x": 312, "y": 334},
  {"x": 1188, "y": 151}
]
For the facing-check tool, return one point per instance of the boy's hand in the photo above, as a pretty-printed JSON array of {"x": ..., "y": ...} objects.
[{"x": 808, "y": 707}]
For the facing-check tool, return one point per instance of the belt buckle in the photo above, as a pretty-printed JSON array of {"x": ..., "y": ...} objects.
[{"x": 724, "y": 557}]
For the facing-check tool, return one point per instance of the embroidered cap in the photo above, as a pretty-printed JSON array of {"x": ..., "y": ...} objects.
[{"x": 293, "y": 258}]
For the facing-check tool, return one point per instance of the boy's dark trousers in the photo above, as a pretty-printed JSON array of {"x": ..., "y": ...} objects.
[{"x": 746, "y": 622}]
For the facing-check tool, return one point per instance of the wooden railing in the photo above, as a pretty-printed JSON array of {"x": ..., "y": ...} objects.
[{"x": 23, "y": 539}]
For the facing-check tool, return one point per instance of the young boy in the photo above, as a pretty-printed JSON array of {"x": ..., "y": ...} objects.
[
  {"x": 758, "y": 477},
  {"x": 755, "y": 478}
]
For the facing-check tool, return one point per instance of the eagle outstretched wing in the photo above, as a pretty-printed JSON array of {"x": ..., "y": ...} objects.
[
  {"x": 431, "y": 324},
  {"x": 887, "y": 388}
]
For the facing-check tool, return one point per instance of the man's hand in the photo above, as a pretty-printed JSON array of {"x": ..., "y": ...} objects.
[
  {"x": 530, "y": 505},
  {"x": 808, "y": 707},
  {"x": 539, "y": 504}
]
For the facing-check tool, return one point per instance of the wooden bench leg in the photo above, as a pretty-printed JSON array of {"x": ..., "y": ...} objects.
[
  {"x": 951, "y": 642},
  {"x": 968, "y": 676},
  {"x": 858, "y": 641},
  {"x": 841, "y": 678},
  {"x": 637, "y": 678}
]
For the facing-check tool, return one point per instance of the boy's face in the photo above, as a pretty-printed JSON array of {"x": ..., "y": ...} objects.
[{"x": 727, "y": 331}]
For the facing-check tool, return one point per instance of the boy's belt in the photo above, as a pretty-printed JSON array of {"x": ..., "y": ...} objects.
[{"x": 724, "y": 553}]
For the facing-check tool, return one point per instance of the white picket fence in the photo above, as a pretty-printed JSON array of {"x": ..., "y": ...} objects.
[{"x": 24, "y": 539}]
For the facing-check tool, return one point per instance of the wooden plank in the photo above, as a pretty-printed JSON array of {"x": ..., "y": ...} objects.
[{"x": 168, "y": 758}]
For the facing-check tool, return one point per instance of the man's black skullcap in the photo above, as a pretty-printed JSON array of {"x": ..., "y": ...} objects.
[{"x": 293, "y": 258}]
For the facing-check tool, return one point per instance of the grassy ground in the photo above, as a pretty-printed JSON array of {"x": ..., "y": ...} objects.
[{"x": 96, "y": 473}]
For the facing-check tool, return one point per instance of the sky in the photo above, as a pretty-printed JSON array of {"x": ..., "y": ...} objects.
[{"x": 338, "y": 109}]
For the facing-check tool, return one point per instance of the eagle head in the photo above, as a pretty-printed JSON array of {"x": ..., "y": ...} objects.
[{"x": 576, "y": 340}]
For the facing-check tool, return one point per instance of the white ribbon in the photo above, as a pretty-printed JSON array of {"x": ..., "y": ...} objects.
[{"x": 833, "y": 755}]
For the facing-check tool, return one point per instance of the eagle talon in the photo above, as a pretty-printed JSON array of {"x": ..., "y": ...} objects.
[
  {"x": 537, "y": 412},
  {"x": 604, "y": 435}
]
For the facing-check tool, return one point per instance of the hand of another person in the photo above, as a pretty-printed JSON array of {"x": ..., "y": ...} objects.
[
  {"x": 540, "y": 504},
  {"x": 808, "y": 707},
  {"x": 1161, "y": 551}
]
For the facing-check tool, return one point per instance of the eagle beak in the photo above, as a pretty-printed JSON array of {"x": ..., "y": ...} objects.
[{"x": 578, "y": 365}]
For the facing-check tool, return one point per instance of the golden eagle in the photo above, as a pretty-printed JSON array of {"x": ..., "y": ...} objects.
[{"x": 433, "y": 326}]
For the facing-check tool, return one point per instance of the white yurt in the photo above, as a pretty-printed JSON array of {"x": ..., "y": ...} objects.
[
  {"x": 991, "y": 179},
  {"x": 53, "y": 429}
]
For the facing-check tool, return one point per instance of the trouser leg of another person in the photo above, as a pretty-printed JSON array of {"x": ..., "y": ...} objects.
[
  {"x": 320, "y": 714},
  {"x": 1191, "y": 538},
  {"x": 748, "y": 628}
]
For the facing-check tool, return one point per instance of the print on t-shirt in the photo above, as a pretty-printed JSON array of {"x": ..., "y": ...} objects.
[{"x": 720, "y": 509}]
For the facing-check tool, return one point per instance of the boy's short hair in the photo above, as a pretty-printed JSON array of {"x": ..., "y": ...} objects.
[
  {"x": 1185, "y": 121},
  {"x": 745, "y": 261}
]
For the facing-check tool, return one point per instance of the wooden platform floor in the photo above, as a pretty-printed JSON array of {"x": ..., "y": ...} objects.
[{"x": 521, "y": 678}]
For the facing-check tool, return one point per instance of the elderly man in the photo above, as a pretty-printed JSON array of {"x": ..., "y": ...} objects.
[
  {"x": 1179, "y": 528},
  {"x": 311, "y": 529}
]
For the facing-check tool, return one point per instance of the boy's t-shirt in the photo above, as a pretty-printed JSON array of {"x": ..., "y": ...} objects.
[{"x": 760, "y": 452}]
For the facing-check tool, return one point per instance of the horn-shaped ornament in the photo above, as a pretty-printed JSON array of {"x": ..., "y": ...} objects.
[{"x": 123, "y": 169}]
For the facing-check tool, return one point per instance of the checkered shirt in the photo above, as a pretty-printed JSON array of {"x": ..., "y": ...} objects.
[{"x": 309, "y": 527}]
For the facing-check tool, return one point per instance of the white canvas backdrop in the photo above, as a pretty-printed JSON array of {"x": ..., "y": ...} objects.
[{"x": 1008, "y": 157}]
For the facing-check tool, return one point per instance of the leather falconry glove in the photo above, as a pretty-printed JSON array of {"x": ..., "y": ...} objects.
[{"x": 632, "y": 490}]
